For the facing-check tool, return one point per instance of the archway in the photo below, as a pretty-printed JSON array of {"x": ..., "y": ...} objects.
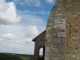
[{"x": 41, "y": 53}]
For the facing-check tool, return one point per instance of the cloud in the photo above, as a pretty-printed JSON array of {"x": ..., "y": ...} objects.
[
  {"x": 50, "y": 1},
  {"x": 23, "y": 33},
  {"x": 31, "y": 31},
  {"x": 36, "y": 3},
  {"x": 9, "y": 36},
  {"x": 42, "y": 12},
  {"x": 32, "y": 19},
  {"x": 17, "y": 34},
  {"x": 8, "y": 13},
  {"x": 17, "y": 48},
  {"x": 16, "y": 38},
  {"x": 13, "y": 29},
  {"x": 19, "y": 31}
]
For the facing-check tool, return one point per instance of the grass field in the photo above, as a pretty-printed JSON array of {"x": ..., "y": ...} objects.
[{"x": 10, "y": 56}]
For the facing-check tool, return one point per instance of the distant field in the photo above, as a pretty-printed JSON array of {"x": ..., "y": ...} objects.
[{"x": 10, "y": 56}]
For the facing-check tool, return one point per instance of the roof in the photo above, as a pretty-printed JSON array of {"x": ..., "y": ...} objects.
[{"x": 41, "y": 36}]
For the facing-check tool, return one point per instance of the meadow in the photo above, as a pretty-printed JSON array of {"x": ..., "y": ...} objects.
[{"x": 10, "y": 56}]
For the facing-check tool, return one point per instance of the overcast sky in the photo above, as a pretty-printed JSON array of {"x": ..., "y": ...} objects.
[{"x": 20, "y": 22}]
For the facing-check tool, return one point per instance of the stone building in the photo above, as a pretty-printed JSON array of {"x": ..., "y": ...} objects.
[
  {"x": 61, "y": 40},
  {"x": 39, "y": 43}
]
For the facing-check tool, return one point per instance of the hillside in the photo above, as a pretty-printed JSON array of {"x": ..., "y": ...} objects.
[{"x": 10, "y": 56}]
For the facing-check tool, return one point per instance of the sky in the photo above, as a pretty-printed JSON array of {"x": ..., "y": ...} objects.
[{"x": 20, "y": 22}]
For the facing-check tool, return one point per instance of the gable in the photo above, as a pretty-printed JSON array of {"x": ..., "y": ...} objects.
[{"x": 41, "y": 36}]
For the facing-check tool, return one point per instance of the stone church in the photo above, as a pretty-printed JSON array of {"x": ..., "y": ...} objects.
[{"x": 61, "y": 39}]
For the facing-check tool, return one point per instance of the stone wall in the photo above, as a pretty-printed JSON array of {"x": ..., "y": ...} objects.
[
  {"x": 72, "y": 8},
  {"x": 55, "y": 34},
  {"x": 63, "y": 31},
  {"x": 39, "y": 43}
]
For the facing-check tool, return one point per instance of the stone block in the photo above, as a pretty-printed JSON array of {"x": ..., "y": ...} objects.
[
  {"x": 62, "y": 58},
  {"x": 63, "y": 40},
  {"x": 55, "y": 45},
  {"x": 56, "y": 58},
  {"x": 58, "y": 54},
  {"x": 54, "y": 54},
  {"x": 54, "y": 35},
  {"x": 61, "y": 45},
  {"x": 59, "y": 26},
  {"x": 61, "y": 34},
  {"x": 56, "y": 40},
  {"x": 59, "y": 22},
  {"x": 62, "y": 49},
  {"x": 46, "y": 58},
  {"x": 48, "y": 28},
  {"x": 48, "y": 49},
  {"x": 55, "y": 49},
  {"x": 48, "y": 36}
]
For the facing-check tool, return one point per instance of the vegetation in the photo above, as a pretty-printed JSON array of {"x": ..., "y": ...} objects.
[{"x": 9, "y": 56}]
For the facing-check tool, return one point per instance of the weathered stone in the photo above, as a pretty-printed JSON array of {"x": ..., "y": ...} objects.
[
  {"x": 55, "y": 49},
  {"x": 54, "y": 54},
  {"x": 48, "y": 35},
  {"x": 61, "y": 34},
  {"x": 63, "y": 40},
  {"x": 72, "y": 29},
  {"x": 56, "y": 58},
  {"x": 59, "y": 26},
  {"x": 48, "y": 49},
  {"x": 56, "y": 40}
]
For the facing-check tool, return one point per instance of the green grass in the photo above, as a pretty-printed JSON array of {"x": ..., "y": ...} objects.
[
  {"x": 10, "y": 56},
  {"x": 23, "y": 58}
]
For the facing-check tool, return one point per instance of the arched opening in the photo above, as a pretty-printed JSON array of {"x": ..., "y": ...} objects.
[{"x": 41, "y": 53}]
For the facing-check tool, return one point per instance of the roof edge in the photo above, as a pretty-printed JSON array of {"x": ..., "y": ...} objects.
[{"x": 34, "y": 39}]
